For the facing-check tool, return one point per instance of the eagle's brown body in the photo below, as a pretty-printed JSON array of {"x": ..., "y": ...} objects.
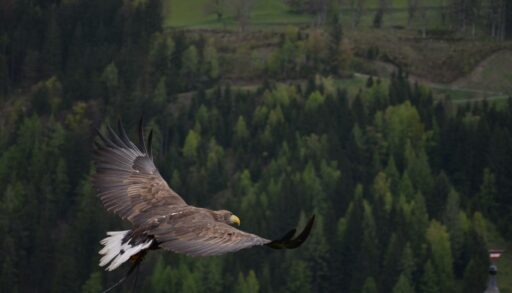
[{"x": 129, "y": 184}]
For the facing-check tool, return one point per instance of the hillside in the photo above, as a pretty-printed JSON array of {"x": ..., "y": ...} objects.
[
  {"x": 274, "y": 121},
  {"x": 492, "y": 73}
]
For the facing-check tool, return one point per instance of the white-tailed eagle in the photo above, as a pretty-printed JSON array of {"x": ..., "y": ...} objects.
[{"x": 129, "y": 184}]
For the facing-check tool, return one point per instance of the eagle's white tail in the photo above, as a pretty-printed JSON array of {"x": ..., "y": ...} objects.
[{"x": 117, "y": 249}]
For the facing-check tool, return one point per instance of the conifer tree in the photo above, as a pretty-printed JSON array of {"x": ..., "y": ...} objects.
[
  {"x": 403, "y": 285},
  {"x": 407, "y": 263},
  {"x": 93, "y": 284},
  {"x": 247, "y": 283},
  {"x": 485, "y": 200},
  {"x": 429, "y": 281},
  {"x": 442, "y": 259},
  {"x": 299, "y": 277},
  {"x": 369, "y": 286},
  {"x": 190, "y": 148}
]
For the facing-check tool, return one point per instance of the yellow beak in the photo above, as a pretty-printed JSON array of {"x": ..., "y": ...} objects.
[{"x": 234, "y": 220}]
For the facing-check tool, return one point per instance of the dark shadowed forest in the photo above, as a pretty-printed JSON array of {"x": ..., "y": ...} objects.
[{"x": 410, "y": 180}]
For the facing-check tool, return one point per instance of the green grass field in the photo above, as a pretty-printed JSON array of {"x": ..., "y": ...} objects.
[{"x": 192, "y": 14}]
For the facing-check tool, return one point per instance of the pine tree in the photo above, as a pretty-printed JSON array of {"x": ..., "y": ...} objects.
[
  {"x": 419, "y": 222},
  {"x": 407, "y": 263},
  {"x": 215, "y": 167},
  {"x": 190, "y": 148},
  {"x": 420, "y": 174},
  {"x": 393, "y": 175},
  {"x": 437, "y": 202},
  {"x": 405, "y": 186},
  {"x": 298, "y": 278},
  {"x": 403, "y": 126},
  {"x": 429, "y": 281},
  {"x": 313, "y": 191},
  {"x": 335, "y": 39},
  {"x": 403, "y": 285},
  {"x": 248, "y": 284},
  {"x": 162, "y": 279},
  {"x": 382, "y": 196},
  {"x": 442, "y": 259},
  {"x": 485, "y": 200},
  {"x": 241, "y": 133},
  {"x": 110, "y": 78},
  {"x": 159, "y": 97},
  {"x": 190, "y": 63},
  {"x": 4, "y": 77},
  {"x": 52, "y": 47},
  {"x": 369, "y": 286},
  {"x": 475, "y": 277},
  {"x": 93, "y": 284},
  {"x": 391, "y": 263},
  {"x": 369, "y": 251},
  {"x": 9, "y": 274},
  {"x": 317, "y": 256},
  {"x": 190, "y": 283},
  {"x": 453, "y": 223}
]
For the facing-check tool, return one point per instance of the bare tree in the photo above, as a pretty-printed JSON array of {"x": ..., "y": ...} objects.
[
  {"x": 423, "y": 14},
  {"x": 453, "y": 10},
  {"x": 340, "y": 8},
  {"x": 357, "y": 7},
  {"x": 417, "y": 8},
  {"x": 497, "y": 19},
  {"x": 475, "y": 8},
  {"x": 463, "y": 14},
  {"x": 242, "y": 12},
  {"x": 378, "y": 19},
  {"x": 412, "y": 8},
  {"x": 217, "y": 7}
]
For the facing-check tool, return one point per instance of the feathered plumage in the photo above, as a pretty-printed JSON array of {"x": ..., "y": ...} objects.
[{"x": 129, "y": 185}]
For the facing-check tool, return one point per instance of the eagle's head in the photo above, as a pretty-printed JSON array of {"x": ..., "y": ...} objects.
[{"x": 226, "y": 217}]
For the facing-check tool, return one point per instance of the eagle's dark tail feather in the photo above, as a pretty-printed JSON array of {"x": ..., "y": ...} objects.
[
  {"x": 135, "y": 264},
  {"x": 288, "y": 242}
]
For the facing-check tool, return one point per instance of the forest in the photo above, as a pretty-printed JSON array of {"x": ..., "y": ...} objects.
[{"x": 410, "y": 188}]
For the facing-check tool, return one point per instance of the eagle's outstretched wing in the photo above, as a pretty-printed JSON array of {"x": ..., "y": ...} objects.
[
  {"x": 126, "y": 179},
  {"x": 196, "y": 234},
  {"x": 130, "y": 185}
]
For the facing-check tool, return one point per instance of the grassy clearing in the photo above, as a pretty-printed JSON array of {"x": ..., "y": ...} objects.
[
  {"x": 184, "y": 13},
  {"x": 352, "y": 85},
  {"x": 456, "y": 95},
  {"x": 397, "y": 17},
  {"x": 192, "y": 13}
]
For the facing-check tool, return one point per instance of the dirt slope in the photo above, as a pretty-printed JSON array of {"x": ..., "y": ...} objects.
[{"x": 494, "y": 73}]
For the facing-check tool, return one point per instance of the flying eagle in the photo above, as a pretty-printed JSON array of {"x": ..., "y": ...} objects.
[{"x": 129, "y": 184}]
